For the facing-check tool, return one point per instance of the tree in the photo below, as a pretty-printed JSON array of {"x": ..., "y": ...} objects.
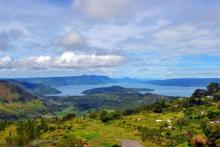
[
  {"x": 159, "y": 105},
  {"x": 128, "y": 112},
  {"x": 199, "y": 93},
  {"x": 116, "y": 115},
  {"x": 69, "y": 116},
  {"x": 105, "y": 116},
  {"x": 212, "y": 87},
  {"x": 93, "y": 114},
  {"x": 3, "y": 125},
  {"x": 27, "y": 131}
]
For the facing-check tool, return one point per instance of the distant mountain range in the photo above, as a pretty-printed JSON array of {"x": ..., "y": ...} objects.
[
  {"x": 99, "y": 79},
  {"x": 186, "y": 82},
  {"x": 73, "y": 80}
]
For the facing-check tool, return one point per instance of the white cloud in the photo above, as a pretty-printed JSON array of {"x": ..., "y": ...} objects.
[
  {"x": 65, "y": 60},
  {"x": 5, "y": 61}
]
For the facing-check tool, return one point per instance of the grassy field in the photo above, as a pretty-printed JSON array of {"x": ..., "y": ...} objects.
[
  {"x": 19, "y": 109},
  {"x": 176, "y": 122},
  {"x": 98, "y": 134}
]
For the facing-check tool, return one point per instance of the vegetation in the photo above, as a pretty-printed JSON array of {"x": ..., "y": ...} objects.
[
  {"x": 115, "y": 90},
  {"x": 179, "y": 122},
  {"x": 99, "y": 101}
]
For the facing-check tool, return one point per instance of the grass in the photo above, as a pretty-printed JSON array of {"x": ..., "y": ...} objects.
[
  {"x": 64, "y": 111},
  {"x": 99, "y": 134},
  {"x": 21, "y": 108}
]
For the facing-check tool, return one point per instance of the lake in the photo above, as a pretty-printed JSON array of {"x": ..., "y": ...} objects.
[{"x": 73, "y": 90}]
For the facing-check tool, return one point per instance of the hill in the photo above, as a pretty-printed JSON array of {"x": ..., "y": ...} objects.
[
  {"x": 113, "y": 98},
  {"x": 12, "y": 92},
  {"x": 36, "y": 89},
  {"x": 16, "y": 102},
  {"x": 116, "y": 90},
  {"x": 183, "y": 122}
]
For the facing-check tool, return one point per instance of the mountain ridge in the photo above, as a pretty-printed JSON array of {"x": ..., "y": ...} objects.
[{"x": 13, "y": 92}]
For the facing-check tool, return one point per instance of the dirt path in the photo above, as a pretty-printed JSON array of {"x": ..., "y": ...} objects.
[{"x": 131, "y": 143}]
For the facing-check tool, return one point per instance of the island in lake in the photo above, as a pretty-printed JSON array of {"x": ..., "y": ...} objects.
[{"x": 116, "y": 90}]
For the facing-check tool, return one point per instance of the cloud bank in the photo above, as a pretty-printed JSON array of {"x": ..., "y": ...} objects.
[{"x": 65, "y": 60}]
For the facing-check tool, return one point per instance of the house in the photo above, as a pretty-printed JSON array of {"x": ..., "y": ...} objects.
[
  {"x": 169, "y": 121},
  {"x": 202, "y": 112},
  {"x": 158, "y": 120},
  {"x": 170, "y": 127}
]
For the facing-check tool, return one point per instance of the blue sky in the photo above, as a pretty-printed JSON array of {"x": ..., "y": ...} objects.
[{"x": 135, "y": 38}]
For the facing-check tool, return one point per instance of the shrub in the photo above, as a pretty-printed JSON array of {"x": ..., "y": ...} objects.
[
  {"x": 3, "y": 125},
  {"x": 199, "y": 93},
  {"x": 27, "y": 131},
  {"x": 116, "y": 145},
  {"x": 150, "y": 134},
  {"x": 182, "y": 122},
  {"x": 108, "y": 116},
  {"x": 129, "y": 112},
  {"x": 212, "y": 131},
  {"x": 71, "y": 141},
  {"x": 105, "y": 116},
  {"x": 212, "y": 87},
  {"x": 213, "y": 114},
  {"x": 159, "y": 105},
  {"x": 116, "y": 115},
  {"x": 199, "y": 140},
  {"x": 69, "y": 116},
  {"x": 93, "y": 114}
]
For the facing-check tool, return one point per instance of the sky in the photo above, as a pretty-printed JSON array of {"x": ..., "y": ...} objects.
[{"x": 147, "y": 39}]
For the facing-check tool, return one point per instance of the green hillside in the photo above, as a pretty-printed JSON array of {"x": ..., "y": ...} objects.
[
  {"x": 10, "y": 92},
  {"x": 182, "y": 122},
  {"x": 15, "y": 102}
]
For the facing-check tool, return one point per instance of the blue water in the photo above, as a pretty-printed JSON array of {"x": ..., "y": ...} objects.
[{"x": 73, "y": 90}]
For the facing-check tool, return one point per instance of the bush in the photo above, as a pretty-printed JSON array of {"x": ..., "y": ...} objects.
[
  {"x": 150, "y": 134},
  {"x": 212, "y": 131},
  {"x": 129, "y": 112},
  {"x": 108, "y": 116},
  {"x": 3, "y": 125},
  {"x": 213, "y": 114},
  {"x": 71, "y": 141},
  {"x": 182, "y": 122},
  {"x": 105, "y": 116},
  {"x": 27, "y": 131},
  {"x": 93, "y": 114},
  {"x": 116, "y": 145},
  {"x": 69, "y": 116},
  {"x": 159, "y": 105},
  {"x": 212, "y": 88},
  {"x": 116, "y": 115},
  {"x": 199, "y": 93},
  {"x": 199, "y": 141}
]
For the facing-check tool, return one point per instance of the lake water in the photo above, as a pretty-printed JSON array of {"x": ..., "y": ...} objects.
[{"x": 73, "y": 90}]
